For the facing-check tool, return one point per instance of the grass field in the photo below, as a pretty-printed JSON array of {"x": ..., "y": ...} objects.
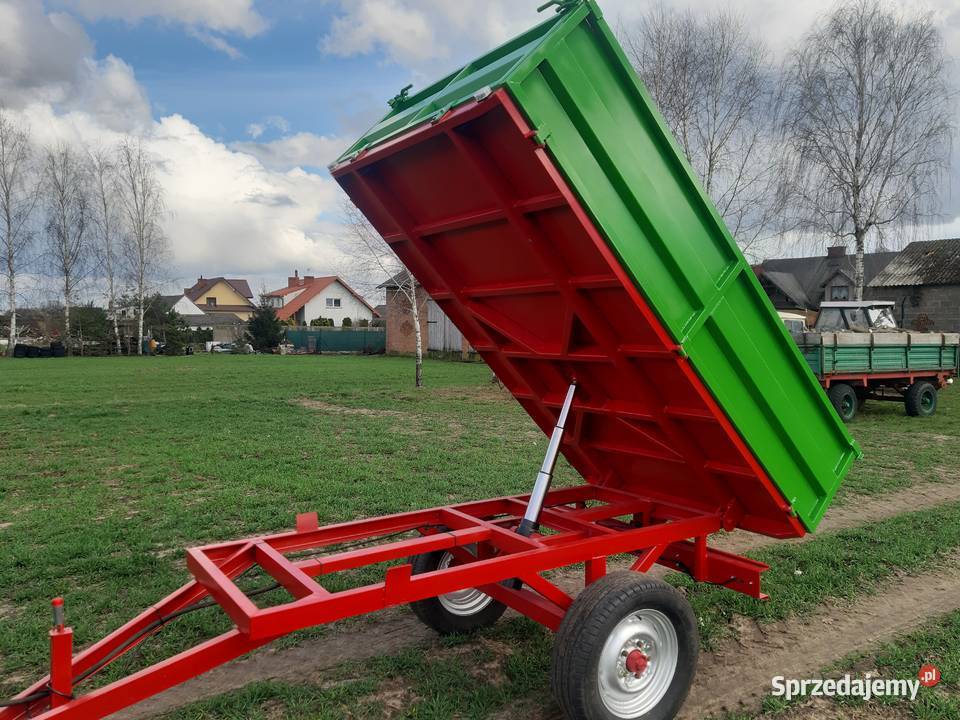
[{"x": 111, "y": 466}]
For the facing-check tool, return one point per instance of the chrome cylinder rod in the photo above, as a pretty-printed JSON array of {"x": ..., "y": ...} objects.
[{"x": 531, "y": 518}]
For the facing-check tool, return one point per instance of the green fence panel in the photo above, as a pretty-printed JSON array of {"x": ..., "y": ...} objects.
[{"x": 367, "y": 341}]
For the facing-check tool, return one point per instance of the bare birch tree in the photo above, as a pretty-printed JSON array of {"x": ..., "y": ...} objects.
[
  {"x": 144, "y": 246},
  {"x": 372, "y": 257},
  {"x": 67, "y": 222},
  {"x": 19, "y": 194},
  {"x": 106, "y": 223},
  {"x": 869, "y": 120},
  {"x": 716, "y": 89}
]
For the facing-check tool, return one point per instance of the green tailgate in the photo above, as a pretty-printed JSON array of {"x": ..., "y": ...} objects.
[{"x": 576, "y": 87}]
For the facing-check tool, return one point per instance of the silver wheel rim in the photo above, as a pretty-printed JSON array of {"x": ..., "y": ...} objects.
[
  {"x": 629, "y": 694},
  {"x": 461, "y": 602}
]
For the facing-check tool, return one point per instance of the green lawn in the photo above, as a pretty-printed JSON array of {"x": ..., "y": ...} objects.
[{"x": 111, "y": 466}]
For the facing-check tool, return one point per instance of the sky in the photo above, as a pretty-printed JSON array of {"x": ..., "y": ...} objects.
[{"x": 246, "y": 102}]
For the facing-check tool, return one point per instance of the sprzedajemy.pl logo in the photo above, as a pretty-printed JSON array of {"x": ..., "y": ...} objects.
[{"x": 848, "y": 686}]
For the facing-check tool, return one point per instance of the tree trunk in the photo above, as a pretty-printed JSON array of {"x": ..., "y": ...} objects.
[
  {"x": 140, "y": 323},
  {"x": 116, "y": 325},
  {"x": 12, "y": 299},
  {"x": 66, "y": 323},
  {"x": 859, "y": 236},
  {"x": 418, "y": 336}
]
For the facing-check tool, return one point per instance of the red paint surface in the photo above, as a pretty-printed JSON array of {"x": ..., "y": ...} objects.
[{"x": 481, "y": 215}]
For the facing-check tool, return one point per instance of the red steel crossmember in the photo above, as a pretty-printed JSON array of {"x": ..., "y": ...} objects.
[{"x": 582, "y": 524}]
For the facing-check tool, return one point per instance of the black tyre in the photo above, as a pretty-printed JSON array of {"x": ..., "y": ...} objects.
[
  {"x": 844, "y": 401},
  {"x": 920, "y": 399},
  {"x": 627, "y": 648},
  {"x": 863, "y": 394},
  {"x": 457, "y": 612}
]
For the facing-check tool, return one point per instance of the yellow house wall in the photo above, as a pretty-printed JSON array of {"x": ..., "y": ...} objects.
[{"x": 225, "y": 295}]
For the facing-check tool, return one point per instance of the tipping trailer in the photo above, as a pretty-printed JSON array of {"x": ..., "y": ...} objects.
[
  {"x": 857, "y": 353},
  {"x": 538, "y": 197}
]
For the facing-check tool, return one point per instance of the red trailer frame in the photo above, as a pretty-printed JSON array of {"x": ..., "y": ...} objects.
[{"x": 583, "y": 524}]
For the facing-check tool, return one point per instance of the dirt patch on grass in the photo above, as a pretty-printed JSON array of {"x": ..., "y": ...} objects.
[
  {"x": 855, "y": 511},
  {"x": 491, "y": 393},
  {"x": 7, "y": 610},
  {"x": 348, "y": 641},
  {"x": 821, "y": 709},
  {"x": 320, "y": 406},
  {"x": 737, "y": 676},
  {"x": 394, "y": 696}
]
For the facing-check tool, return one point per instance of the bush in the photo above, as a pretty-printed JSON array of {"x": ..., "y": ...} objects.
[
  {"x": 347, "y": 322},
  {"x": 264, "y": 330},
  {"x": 363, "y": 322}
]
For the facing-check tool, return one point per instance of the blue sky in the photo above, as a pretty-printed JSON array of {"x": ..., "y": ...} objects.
[{"x": 282, "y": 72}]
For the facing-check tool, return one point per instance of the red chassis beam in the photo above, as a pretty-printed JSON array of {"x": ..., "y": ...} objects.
[
  {"x": 940, "y": 377},
  {"x": 581, "y": 524}
]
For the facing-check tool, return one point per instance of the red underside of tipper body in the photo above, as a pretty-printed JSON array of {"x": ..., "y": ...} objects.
[{"x": 483, "y": 218}]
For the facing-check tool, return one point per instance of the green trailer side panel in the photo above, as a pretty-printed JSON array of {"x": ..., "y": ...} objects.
[
  {"x": 577, "y": 89},
  {"x": 888, "y": 359},
  {"x": 878, "y": 359},
  {"x": 925, "y": 357},
  {"x": 602, "y": 129}
]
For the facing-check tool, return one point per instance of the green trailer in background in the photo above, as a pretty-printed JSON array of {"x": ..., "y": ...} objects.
[{"x": 857, "y": 353}]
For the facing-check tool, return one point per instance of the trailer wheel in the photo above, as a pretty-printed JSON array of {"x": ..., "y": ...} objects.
[
  {"x": 844, "y": 401},
  {"x": 921, "y": 399},
  {"x": 863, "y": 394},
  {"x": 627, "y": 648},
  {"x": 454, "y": 613}
]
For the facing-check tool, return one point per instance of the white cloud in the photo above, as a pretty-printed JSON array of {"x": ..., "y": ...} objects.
[
  {"x": 299, "y": 150},
  {"x": 404, "y": 34},
  {"x": 215, "y": 42},
  {"x": 42, "y": 55},
  {"x": 277, "y": 122},
  {"x": 230, "y": 211},
  {"x": 231, "y": 16}
]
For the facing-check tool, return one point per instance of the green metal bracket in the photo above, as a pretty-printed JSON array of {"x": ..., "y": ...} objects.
[
  {"x": 397, "y": 101},
  {"x": 562, "y": 5}
]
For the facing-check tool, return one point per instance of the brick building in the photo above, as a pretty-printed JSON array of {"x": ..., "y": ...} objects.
[
  {"x": 924, "y": 281},
  {"x": 438, "y": 333}
]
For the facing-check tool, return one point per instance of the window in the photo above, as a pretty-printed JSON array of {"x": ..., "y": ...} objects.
[
  {"x": 830, "y": 320},
  {"x": 840, "y": 292},
  {"x": 333, "y": 302},
  {"x": 211, "y": 302},
  {"x": 276, "y": 302}
]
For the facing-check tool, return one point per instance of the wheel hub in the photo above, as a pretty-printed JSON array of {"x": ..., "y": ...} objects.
[{"x": 637, "y": 663}]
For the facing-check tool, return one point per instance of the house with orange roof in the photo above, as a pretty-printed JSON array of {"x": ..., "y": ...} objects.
[
  {"x": 308, "y": 298},
  {"x": 222, "y": 295}
]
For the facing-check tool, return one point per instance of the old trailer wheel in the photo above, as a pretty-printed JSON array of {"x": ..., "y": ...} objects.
[
  {"x": 626, "y": 649},
  {"x": 844, "y": 401},
  {"x": 921, "y": 399},
  {"x": 462, "y": 611},
  {"x": 863, "y": 394}
]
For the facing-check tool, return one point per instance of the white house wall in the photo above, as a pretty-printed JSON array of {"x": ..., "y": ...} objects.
[{"x": 350, "y": 307}]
